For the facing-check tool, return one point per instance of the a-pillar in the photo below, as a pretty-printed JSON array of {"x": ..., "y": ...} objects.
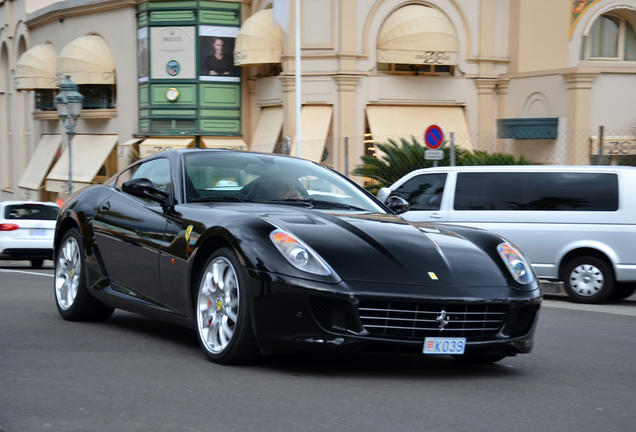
[
  {"x": 346, "y": 123},
  {"x": 579, "y": 101}
]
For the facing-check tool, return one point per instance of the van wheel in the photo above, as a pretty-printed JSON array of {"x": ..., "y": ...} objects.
[{"x": 588, "y": 280}]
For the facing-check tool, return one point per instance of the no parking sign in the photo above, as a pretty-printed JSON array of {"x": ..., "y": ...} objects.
[{"x": 434, "y": 137}]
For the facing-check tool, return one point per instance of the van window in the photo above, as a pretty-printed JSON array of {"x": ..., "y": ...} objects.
[
  {"x": 423, "y": 192},
  {"x": 565, "y": 191}
]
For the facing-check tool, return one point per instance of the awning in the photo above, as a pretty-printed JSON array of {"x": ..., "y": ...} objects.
[
  {"x": 152, "y": 146},
  {"x": 387, "y": 121},
  {"x": 224, "y": 142},
  {"x": 40, "y": 162},
  {"x": 418, "y": 34},
  {"x": 258, "y": 41},
  {"x": 36, "y": 68},
  {"x": 268, "y": 128},
  {"x": 87, "y": 60},
  {"x": 90, "y": 152},
  {"x": 315, "y": 123}
]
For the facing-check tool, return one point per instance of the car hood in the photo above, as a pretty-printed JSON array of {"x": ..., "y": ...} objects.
[{"x": 385, "y": 248}]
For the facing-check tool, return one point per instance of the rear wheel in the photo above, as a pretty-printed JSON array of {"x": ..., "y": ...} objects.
[
  {"x": 588, "y": 280},
  {"x": 223, "y": 317},
  {"x": 73, "y": 300},
  {"x": 37, "y": 263}
]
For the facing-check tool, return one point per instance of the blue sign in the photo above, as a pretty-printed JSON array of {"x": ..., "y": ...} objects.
[{"x": 434, "y": 137}]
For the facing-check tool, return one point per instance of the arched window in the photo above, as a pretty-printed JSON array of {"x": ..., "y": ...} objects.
[{"x": 611, "y": 38}]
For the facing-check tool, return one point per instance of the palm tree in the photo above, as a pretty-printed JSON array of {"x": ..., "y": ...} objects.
[{"x": 397, "y": 160}]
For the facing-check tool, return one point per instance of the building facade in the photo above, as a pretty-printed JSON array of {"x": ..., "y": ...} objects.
[{"x": 528, "y": 77}]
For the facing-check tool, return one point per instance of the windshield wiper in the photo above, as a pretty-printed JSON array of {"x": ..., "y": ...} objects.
[{"x": 221, "y": 199}]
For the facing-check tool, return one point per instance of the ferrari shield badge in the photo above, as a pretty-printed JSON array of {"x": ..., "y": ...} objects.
[
  {"x": 188, "y": 232},
  {"x": 432, "y": 275}
]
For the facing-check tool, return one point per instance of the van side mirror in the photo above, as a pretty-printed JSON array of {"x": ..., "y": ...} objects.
[
  {"x": 383, "y": 194},
  {"x": 398, "y": 205},
  {"x": 144, "y": 188}
]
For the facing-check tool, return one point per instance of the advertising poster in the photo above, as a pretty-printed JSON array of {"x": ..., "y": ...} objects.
[
  {"x": 217, "y": 54},
  {"x": 173, "y": 52}
]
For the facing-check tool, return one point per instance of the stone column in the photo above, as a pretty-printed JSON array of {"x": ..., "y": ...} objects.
[
  {"x": 345, "y": 125},
  {"x": 579, "y": 101},
  {"x": 289, "y": 108},
  {"x": 502, "y": 107},
  {"x": 485, "y": 115}
]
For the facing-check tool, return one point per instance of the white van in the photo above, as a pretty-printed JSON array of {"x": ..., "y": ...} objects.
[{"x": 576, "y": 224}]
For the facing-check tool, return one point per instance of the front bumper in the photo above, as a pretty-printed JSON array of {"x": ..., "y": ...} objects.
[{"x": 294, "y": 314}]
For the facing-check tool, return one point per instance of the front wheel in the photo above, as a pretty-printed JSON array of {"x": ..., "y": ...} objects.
[
  {"x": 588, "y": 280},
  {"x": 223, "y": 317},
  {"x": 73, "y": 300}
]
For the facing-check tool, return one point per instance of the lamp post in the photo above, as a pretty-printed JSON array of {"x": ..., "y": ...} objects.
[{"x": 69, "y": 107}]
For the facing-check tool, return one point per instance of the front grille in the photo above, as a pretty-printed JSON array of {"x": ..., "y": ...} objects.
[{"x": 405, "y": 320}]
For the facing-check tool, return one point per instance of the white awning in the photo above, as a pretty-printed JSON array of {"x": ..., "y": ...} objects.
[
  {"x": 418, "y": 34},
  {"x": 258, "y": 41},
  {"x": 40, "y": 162},
  {"x": 152, "y": 146},
  {"x": 390, "y": 121},
  {"x": 89, "y": 153},
  {"x": 224, "y": 142},
  {"x": 36, "y": 68},
  {"x": 268, "y": 129},
  {"x": 315, "y": 123},
  {"x": 87, "y": 60}
]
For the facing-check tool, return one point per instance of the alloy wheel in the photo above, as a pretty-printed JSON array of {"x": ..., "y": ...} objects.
[
  {"x": 67, "y": 273},
  {"x": 218, "y": 305}
]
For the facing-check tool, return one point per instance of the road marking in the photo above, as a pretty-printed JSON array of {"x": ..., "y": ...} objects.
[
  {"x": 615, "y": 309},
  {"x": 26, "y": 272}
]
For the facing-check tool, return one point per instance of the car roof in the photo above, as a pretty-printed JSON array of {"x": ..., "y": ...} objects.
[
  {"x": 29, "y": 202},
  {"x": 587, "y": 168}
]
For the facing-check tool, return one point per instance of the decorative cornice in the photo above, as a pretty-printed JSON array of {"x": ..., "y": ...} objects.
[
  {"x": 502, "y": 86},
  {"x": 288, "y": 82},
  {"x": 485, "y": 85},
  {"x": 347, "y": 82},
  {"x": 579, "y": 80},
  {"x": 58, "y": 11},
  {"x": 85, "y": 115}
]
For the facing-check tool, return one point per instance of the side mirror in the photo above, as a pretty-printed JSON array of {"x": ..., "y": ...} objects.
[
  {"x": 144, "y": 188},
  {"x": 398, "y": 205},
  {"x": 383, "y": 194}
]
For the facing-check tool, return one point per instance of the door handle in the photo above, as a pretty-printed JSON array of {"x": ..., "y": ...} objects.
[
  {"x": 105, "y": 206},
  {"x": 436, "y": 216}
]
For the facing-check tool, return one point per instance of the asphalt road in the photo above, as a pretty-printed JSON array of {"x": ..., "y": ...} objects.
[{"x": 136, "y": 374}]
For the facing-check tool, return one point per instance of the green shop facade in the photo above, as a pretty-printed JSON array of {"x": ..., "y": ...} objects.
[{"x": 187, "y": 82}]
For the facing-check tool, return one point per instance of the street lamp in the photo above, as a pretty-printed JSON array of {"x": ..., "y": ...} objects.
[{"x": 69, "y": 107}]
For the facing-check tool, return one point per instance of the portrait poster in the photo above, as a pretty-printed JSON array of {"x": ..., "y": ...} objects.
[
  {"x": 142, "y": 54},
  {"x": 216, "y": 48},
  {"x": 173, "y": 53}
]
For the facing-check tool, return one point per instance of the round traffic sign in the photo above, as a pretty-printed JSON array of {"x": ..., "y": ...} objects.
[{"x": 434, "y": 137}]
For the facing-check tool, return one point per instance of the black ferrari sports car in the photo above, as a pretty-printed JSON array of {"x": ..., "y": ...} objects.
[{"x": 265, "y": 253}]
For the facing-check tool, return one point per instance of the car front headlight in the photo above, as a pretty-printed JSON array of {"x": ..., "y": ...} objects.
[
  {"x": 518, "y": 266},
  {"x": 298, "y": 253}
]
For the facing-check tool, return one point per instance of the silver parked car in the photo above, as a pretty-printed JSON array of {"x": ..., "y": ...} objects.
[{"x": 576, "y": 224}]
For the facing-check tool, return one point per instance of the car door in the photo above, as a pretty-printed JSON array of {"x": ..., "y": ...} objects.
[
  {"x": 129, "y": 232},
  {"x": 425, "y": 194}
]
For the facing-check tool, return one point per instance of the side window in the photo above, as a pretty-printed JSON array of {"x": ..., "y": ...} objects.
[
  {"x": 491, "y": 191},
  {"x": 568, "y": 191},
  {"x": 157, "y": 170},
  {"x": 423, "y": 192}
]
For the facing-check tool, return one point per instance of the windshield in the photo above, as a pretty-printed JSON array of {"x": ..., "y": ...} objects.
[{"x": 235, "y": 176}]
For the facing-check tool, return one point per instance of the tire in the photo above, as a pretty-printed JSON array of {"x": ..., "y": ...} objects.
[
  {"x": 478, "y": 358},
  {"x": 72, "y": 298},
  {"x": 37, "y": 263},
  {"x": 588, "y": 280},
  {"x": 224, "y": 326},
  {"x": 622, "y": 291}
]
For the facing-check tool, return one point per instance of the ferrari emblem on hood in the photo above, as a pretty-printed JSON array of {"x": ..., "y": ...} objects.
[
  {"x": 188, "y": 232},
  {"x": 432, "y": 275}
]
